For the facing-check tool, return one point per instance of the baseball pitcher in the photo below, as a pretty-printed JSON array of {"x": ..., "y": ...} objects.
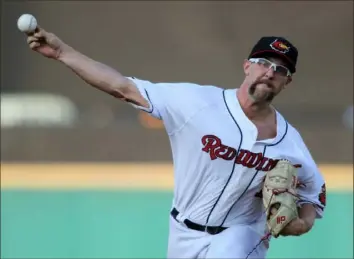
[{"x": 242, "y": 172}]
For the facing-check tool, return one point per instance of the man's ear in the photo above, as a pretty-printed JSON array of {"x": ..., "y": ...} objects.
[
  {"x": 246, "y": 65},
  {"x": 289, "y": 80}
]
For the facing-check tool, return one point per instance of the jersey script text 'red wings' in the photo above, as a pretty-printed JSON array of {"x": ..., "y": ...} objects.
[{"x": 213, "y": 146}]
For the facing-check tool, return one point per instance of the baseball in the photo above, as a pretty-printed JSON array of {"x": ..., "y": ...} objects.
[{"x": 27, "y": 23}]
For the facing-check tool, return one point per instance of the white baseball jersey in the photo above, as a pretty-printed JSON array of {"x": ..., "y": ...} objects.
[{"x": 219, "y": 165}]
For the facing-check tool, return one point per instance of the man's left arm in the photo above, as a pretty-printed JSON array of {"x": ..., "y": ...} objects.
[
  {"x": 311, "y": 205},
  {"x": 307, "y": 213},
  {"x": 312, "y": 195}
]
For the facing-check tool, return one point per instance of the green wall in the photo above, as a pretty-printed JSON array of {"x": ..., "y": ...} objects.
[{"x": 117, "y": 224}]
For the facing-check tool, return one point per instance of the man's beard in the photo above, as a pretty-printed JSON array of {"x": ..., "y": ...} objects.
[{"x": 258, "y": 96}]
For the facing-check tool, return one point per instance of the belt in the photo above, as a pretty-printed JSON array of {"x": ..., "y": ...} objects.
[{"x": 209, "y": 229}]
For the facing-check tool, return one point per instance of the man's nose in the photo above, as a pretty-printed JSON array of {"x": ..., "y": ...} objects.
[{"x": 270, "y": 73}]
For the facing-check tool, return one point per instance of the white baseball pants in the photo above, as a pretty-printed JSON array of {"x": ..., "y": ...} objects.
[{"x": 236, "y": 242}]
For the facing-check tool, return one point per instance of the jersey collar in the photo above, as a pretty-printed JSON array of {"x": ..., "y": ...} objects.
[{"x": 247, "y": 125}]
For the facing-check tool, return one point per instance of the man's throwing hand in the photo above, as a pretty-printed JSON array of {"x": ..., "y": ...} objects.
[{"x": 46, "y": 43}]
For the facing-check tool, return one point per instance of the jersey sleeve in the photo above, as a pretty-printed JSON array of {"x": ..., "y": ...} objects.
[
  {"x": 312, "y": 186},
  {"x": 173, "y": 103}
]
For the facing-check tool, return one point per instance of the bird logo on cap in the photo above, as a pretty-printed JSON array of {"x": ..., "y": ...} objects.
[{"x": 280, "y": 46}]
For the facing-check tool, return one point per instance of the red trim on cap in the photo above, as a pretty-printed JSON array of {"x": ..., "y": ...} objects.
[{"x": 276, "y": 52}]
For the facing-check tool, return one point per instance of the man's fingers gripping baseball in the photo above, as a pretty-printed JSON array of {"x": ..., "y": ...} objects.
[
  {"x": 40, "y": 33},
  {"x": 34, "y": 40},
  {"x": 34, "y": 45}
]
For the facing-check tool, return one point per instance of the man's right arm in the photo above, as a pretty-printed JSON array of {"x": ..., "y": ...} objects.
[
  {"x": 102, "y": 77},
  {"x": 92, "y": 72},
  {"x": 174, "y": 103}
]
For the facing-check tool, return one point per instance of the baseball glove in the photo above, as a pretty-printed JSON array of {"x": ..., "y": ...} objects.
[{"x": 279, "y": 196}]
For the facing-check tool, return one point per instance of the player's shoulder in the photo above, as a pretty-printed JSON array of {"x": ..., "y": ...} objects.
[
  {"x": 294, "y": 132},
  {"x": 178, "y": 86},
  {"x": 196, "y": 92},
  {"x": 203, "y": 89},
  {"x": 296, "y": 139},
  {"x": 202, "y": 95}
]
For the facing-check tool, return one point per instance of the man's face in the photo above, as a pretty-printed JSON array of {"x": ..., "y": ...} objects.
[{"x": 266, "y": 78}]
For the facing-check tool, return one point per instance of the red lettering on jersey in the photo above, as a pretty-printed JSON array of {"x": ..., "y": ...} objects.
[
  {"x": 240, "y": 156},
  {"x": 214, "y": 147},
  {"x": 230, "y": 154},
  {"x": 270, "y": 165},
  {"x": 254, "y": 160},
  {"x": 248, "y": 159},
  {"x": 210, "y": 143},
  {"x": 261, "y": 164}
]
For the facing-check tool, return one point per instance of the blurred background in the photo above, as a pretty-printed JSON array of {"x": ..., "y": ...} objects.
[{"x": 84, "y": 175}]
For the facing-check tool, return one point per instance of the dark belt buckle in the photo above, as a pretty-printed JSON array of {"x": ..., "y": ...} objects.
[{"x": 213, "y": 230}]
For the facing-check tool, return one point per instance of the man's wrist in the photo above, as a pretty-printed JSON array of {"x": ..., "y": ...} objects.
[
  {"x": 66, "y": 52},
  {"x": 308, "y": 221},
  {"x": 307, "y": 225}
]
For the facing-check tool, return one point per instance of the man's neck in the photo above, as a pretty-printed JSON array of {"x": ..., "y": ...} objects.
[{"x": 253, "y": 110}]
